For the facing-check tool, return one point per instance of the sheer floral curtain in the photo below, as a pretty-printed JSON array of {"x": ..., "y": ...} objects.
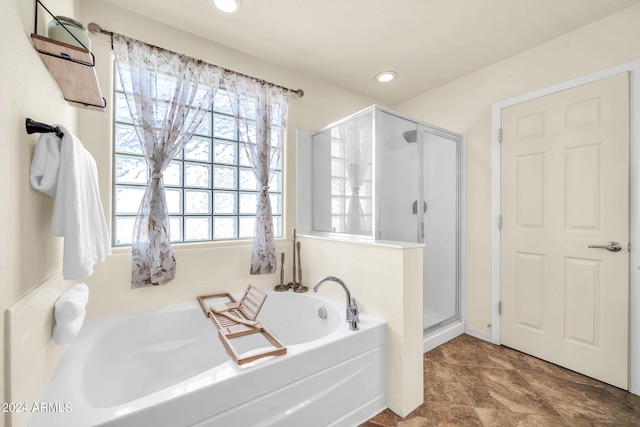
[
  {"x": 261, "y": 112},
  {"x": 358, "y": 158},
  {"x": 168, "y": 95}
]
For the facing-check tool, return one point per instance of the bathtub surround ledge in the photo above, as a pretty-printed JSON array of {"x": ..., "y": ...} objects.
[{"x": 31, "y": 354}]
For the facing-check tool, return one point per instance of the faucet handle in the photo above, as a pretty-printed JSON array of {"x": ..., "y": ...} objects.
[
  {"x": 353, "y": 307},
  {"x": 352, "y": 315}
]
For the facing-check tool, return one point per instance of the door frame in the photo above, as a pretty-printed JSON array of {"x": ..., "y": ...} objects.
[{"x": 633, "y": 68}]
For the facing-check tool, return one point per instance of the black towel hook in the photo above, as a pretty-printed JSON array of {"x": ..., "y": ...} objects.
[{"x": 37, "y": 127}]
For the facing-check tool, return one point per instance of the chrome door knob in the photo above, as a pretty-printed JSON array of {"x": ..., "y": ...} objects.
[{"x": 610, "y": 246}]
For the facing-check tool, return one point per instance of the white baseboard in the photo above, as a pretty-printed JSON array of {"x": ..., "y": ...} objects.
[
  {"x": 442, "y": 335},
  {"x": 476, "y": 334}
]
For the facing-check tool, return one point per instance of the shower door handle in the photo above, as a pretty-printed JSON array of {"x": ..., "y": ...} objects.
[
  {"x": 415, "y": 207},
  {"x": 610, "y": 246}
]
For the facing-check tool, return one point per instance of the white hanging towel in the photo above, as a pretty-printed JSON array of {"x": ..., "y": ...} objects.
[{"x": 66, "y": 171}]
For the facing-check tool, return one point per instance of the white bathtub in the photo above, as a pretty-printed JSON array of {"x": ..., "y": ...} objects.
[{"x": 167, "y": 367}]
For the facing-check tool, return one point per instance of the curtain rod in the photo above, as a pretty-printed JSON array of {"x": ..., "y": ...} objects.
[{"x": 97, "y": 29}]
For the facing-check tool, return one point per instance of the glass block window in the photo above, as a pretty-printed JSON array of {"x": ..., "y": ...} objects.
[{"x": 210, "y": 187}]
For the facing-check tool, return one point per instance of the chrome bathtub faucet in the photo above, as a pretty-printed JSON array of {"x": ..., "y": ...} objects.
[{"x": 352, "y": 307}]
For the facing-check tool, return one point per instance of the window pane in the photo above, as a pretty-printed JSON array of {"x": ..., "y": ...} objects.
[
  {"x": 247, "y": 132},
  {"x": 165, "y": 89},
  {"x": 225, "y": 202},
  {"x": 178, "y": 155},
  {"x": 127, "y": 140},
  {"x": 205, "y": 126},
  {"x": 244, "y": 159},
  {"x": 275, "y": 204},
  {"x": 337, "y": 224},
  {"x": 130, "y": 170},
  {"x": 225, "y": 152},
  {"x": 247, "y": 227},
  {"x": 197, "y": 175},
  {"x": 225, "y": 177},
  {"x": 248, "y": 180},
  {"x": 275, "y": 154},
  {"x": 128, "y": 199},
  {"x": 197, "y": 228},
  {"x": 277, "y": 226},
  {"x": 275, "y": 184},
  {"x": 224, "y": 227},
  {"x": 347, "y": 189},
  {"x": 248, "y": 203},
  {"x": 175, "y": 228},
  {"x": 121, "y": 109},
  {"x": 249, "y": 108},
  {"x": 224, "y": 127},
  {"x": 122, "y": 73},
  {"x": 221, "y": 103},
  {"x": 337, "y": 186},
  {"x": 251, "y": 129},
  {"x": 172, "y": 175},
  {"x": 124, "y": 230},
  {"x": 174, "y": 200},
  {"x": 197, "y": 202},
  {"x": 337, "y": 205},
  {"x": 337, "y": 167},
  {"x": 198, "y": 149},
  {"x": 366, "y": 189},
  {"x": 365, "y": 205},
  {"x": 337, "y": 148}
]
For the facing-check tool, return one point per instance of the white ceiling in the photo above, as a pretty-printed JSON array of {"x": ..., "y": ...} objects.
[{"x": 347, "y": 42}]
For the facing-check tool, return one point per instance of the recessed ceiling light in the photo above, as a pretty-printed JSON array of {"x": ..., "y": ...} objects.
[
  {"x": 386, "y": 76},
  {"x": 227, "y": 6}
]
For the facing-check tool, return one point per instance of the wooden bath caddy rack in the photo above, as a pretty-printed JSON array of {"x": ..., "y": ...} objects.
[{"x": 236, "y": 319}]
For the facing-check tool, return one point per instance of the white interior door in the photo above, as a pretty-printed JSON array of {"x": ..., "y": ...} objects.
[{"x": 564, "y": 187}]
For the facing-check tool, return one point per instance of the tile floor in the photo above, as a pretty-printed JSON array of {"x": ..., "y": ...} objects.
[{"x": 469, "y": 382}]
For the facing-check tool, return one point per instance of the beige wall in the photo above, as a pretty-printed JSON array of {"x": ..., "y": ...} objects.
[
  {"x": 464, "y": 106},
  {"x": 29, "y": 254}
]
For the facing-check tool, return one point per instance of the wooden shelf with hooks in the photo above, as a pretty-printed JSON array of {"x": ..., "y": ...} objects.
[{"x": 73, "y": 68}]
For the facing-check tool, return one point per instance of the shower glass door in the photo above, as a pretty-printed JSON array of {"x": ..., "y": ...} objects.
[
  {"x": 440, "y": 187},
  {"x": 418, "y": 167},
  {"x": 398, "y": 165}
]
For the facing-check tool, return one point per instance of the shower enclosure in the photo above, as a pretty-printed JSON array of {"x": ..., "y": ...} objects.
[{"x": 378, "y": 175}]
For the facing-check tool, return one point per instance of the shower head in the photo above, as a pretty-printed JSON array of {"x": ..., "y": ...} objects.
[{"x": 410, "y": 136}]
